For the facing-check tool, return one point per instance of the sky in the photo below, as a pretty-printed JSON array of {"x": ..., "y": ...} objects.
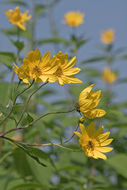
[{"x": 99, "y": 15}]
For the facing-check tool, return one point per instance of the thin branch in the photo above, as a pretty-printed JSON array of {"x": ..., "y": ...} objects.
[
  {"x": 28, "y": 100},
  {"x": 15, "y": 103},
  {"x": 42, "y": 116}
]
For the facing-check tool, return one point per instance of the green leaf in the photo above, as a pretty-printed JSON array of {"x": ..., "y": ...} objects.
[
  {"x": 30, "y": 186},
  {"x": 16, "y": 2},
  {"x": 119, "y": 163},
  {"x": 18, "y": 44},
  {"x": 7, "y": 58},
  {"x": 32, "y": 152},
  {"x": 95, "y": 59}
]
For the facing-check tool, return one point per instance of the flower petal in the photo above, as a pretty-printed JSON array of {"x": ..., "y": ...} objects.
[
  {"x": 104, "y": 149},
  {"x": 100, "y": 155},
  {"x": 91, "y": 129},
  {"x": 91, "y": 114},
  {"x": 106, "y": 142}
]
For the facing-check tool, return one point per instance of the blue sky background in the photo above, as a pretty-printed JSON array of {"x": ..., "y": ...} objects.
[{"x": 99, "y": 15}]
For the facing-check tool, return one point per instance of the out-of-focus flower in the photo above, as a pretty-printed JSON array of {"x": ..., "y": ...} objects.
[
  {"x": 17, "y": 18},
  {"x": 108, "y": 76},
  {"x": 88, "y": 100},
  {"x": 94, "y": 143},
  {"x": 65, "y": 71},
  {"x": 108, "y": 36},
  {"x": 74, "y": 18},
  {"x": 37, "y": 68}
]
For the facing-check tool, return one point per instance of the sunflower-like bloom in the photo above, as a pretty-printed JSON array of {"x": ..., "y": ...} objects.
[
  {"x": 108, "y": 76},
  {"x": 37, "y": 68},
  {"x": 94, "y": 143},
  {"x": 64, "y": 70},
  {"x": 88, "y": 100},
  {"x": 74, "y": 18},
  {"x": 18, "y": 18},
  {"x": 108, "y": 36}
]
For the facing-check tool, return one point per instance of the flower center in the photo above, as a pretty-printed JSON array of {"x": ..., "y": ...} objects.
[
  {"x": 58, "y": 72},
  {"x": 90, "y": 145},
  {"x": 36, "y": 70}
]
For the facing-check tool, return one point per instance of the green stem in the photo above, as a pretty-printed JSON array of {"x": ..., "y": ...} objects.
[
  {"x": 42, "y": 116},
  {"x": 15, "y": 103},
  {"x": 38, "y": 145},
  {"x": 28, "y": 100}
]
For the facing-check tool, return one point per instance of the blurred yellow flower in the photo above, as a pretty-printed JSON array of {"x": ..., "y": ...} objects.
[
  {"x": 108, "y": 76},
  {"x": 74, "y": 18},
  {"x": 108, "y": 36},
  {"x": 94, "y": 143},
  {"x": 37, "y": 68},
  {"x": 18, "y": 18},
  {"x": 65, "y": 71},
  {"x": 88, "y": 100}
]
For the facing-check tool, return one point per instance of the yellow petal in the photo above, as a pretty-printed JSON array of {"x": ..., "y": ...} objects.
[
  {"x": 104, "y": 149},
  {"x": 103, "y": 136},
  {"x": 71, "y": 71},
  {"x": 100, "y": 155},
  {"x": 85, "y": 93},
  {"x": 72, "y": 79},
  {"x": 91, "y": 114},
  {"x": 70, "y": 64},
  {"x": 91, "y": 129},
  {"x": 77, "y": 133},
  {"x": 99, "y": 131},
  {"x": 46, "y": 58},
  {"x": 107, "y": 142},
  {"x": 83, "y": 129}
]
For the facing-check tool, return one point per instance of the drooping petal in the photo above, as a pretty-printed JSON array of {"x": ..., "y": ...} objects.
[
  {"x": 91, "y": 114},
  {"x": 100, "y": 155},
  {"x": 72, "y": 79}
]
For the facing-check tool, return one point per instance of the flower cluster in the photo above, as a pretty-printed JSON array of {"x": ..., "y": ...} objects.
[
  {"x": 17, "y": 18},
  {"x": 45, "y": 68}
]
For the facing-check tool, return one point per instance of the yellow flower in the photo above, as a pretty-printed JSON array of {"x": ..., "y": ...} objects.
[
  {"x": 37, "y": 68},
  {"x": 18, "y": 18},
  {"x": 88, "y": 100},
  {"x": 74, "y": 18},
  {"x": 108, "y": 76},
  {"x": 94, "y": 143},
  {"x": 108, "y": 36},
  {"x": 65, "y": 71}
]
